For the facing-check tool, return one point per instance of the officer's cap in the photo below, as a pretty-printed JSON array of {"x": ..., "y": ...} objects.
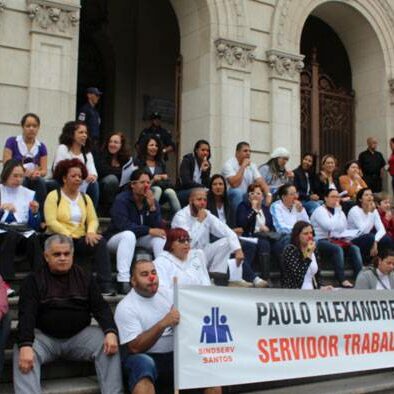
[
  {"x": 94, "y": 90},
  {"x": 155, "y": 115}
]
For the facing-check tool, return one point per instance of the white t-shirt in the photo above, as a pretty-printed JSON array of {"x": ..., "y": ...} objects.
[
  {"x": 308, "y": 279},
  {"x": 136, "y": 314},
  {"x": 193, "y": 271},
  {"x": 197, "y": 172},
  {"x": 251, "y": 173},
  {"x": 222, "y": 214},
  {"x": 75, "y": 209}
]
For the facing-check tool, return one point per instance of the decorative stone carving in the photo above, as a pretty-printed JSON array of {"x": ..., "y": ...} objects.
[
  {"x": 2, "y": 5},
  {"x": 53, "y": 18},
  {"x": 234, "y": 55},
  {"x": 285, "y": 65},
  {"x": 282, "y": 21}
]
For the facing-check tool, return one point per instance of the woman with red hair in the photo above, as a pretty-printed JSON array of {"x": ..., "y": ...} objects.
[
  {"x": 71, "y": 212},
  {"x": 178, "y": 260}
]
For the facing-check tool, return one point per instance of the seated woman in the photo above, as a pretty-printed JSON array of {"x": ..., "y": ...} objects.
[
  {"x": 333, "y": 240},
  {"x": 305, "y": 183},
  {"x": 178, "y": 260},
  {"x": 383, "y": 204},
  {"x": 274, "y": 171},
  {"x": 194, "y": 171},
  {"x": 5, "y": 322},
  {"x": 149, "y": 158},
  {"x": 19, "y": 220},
  {"x": 33, "y": 155},
  {"x": 380, "y": 276},
  {"x": 299, "y": 260},
  {"x": 352, "y": 182},
  {"x": 75, "y": 144},
  {"x": 110, "y": 162},
  {"x": 365, "y": 218},
  {"x": 219, "y": 206},
  {"x": 71, "y": 213},
  {"x": 256, "y": 222}
]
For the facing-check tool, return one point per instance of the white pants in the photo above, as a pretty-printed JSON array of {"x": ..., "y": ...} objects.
[
  {"x": 217, "y": 254},
  {"x": 124, "y": 243}
]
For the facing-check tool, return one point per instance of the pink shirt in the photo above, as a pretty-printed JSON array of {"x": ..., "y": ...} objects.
[{"x": 3, "y": 299}]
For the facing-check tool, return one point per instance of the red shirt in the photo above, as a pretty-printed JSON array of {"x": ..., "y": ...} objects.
[
  {"x": 391, "y": 164},
  {"x": 388, "y": 225}
]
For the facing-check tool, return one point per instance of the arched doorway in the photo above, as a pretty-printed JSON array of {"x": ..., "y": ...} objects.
[
  {"x": 327, "y": 98},
  {"x": 131, "y": 50}
]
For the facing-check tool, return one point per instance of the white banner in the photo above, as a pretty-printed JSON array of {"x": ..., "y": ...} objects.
[{"x": 232, "y": 336}]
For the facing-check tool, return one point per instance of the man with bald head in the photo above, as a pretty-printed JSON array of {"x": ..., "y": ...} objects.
[
  {"x": 201, "y": 224},
  {"x": 372, "y": 165}
]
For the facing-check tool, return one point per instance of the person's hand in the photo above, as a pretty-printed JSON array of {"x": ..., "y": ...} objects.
[
  {"x": 256, "y": 205},
  {"x": 35, "y": 174},
  {"x": 205, "y": 165},
  {"x": 201, "y": 214},
  {"x": 34, "y": 205},
  {"x": 92, "y": 238},
  {"x": 245, "y": 163},
  {"x": 323, "y": 176},
  {"x": 239, "y": 257},
  {"x": 110, "y": 344},
  {"x": 156, "y": 178},
  {"x": 388, "y": 215},
  {"x": 310, "y": 249},
  {"x": 26, "y": 359},
  {"x": 8, "y": 207},
  {"x": 91, "y": 178},
  {"x": 268, "y": 199},
  {"x": 327, "y": 288},
  {"x": 28, "y": 173},
  {"x": 157, "y": 232},
  {"x": 314, "y": 197},
  {"x": 164, "y": 177},
  {"x": 264, "y": 229},
  {"x": 289, "y": 174},
  {"x": 238, "y": 230},
  {"x": 374, "y": 249},
  {"x": 298, "y": 205},
  {"x": 171, "y": 319},
  {"x": 372, "y": 206},
  {"x": 150, "y": 199}
]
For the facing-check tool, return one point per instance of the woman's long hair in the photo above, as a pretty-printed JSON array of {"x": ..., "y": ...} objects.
[
  {"x": 67, "y": 135},
  {"x": 295, "y": 233},
  {"x": 143, "y": 151},
  {"x": 211, "y": 196},
  {"x": 124, "y": 153}
]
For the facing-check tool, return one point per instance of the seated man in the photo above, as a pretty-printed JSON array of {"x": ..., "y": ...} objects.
[
  {"x": 240, "y": 172},
  {"x": 145, "y": 318},
  {"x": 135, "y": 221},
  {"x": 200, "y": 224},
  {"x": 55, "y": 309}
]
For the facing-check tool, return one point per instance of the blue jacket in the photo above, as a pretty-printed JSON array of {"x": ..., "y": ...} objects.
[
  {"x": 91, "y": 117},
  {"x": 126, "y": 216},
  {"x": 246, "y": 218}
]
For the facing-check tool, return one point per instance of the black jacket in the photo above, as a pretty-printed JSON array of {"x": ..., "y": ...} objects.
[
  {"x": 186, "y": 173},
  {"x": 322, "y": 186},
  {"x": 246, "y": 218},
  {"x": 60, "y": 305},
  {"x": 300, "y": 182}
]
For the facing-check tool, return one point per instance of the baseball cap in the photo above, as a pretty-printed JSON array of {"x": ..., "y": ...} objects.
[{"x": 94, "y": 90}]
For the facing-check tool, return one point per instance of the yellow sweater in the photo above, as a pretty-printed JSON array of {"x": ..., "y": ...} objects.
[{"x": 57, "y": 217}]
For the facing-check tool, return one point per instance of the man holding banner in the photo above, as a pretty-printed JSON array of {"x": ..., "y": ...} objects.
[{"x": 145, "y": 319}]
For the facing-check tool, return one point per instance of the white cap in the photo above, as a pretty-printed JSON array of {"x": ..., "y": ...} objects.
[{"x": 280, "y": 152}]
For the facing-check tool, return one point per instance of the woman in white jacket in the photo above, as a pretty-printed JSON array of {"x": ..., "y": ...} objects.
[
  {"x": 333, "y": 238},
  {"x": 178, "y": 260},
  {"x": 365, "y": 218}
]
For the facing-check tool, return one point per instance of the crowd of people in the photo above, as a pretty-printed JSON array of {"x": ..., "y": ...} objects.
[{"x": 228, "y": 228}]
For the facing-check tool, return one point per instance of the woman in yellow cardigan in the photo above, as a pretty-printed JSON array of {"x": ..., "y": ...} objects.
[
  {"x": 352, "y": 182},
  {"x": 71, "y": 213}
]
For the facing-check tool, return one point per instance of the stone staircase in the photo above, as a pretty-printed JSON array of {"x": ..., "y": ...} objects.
[{"x": 66, "y": 377}]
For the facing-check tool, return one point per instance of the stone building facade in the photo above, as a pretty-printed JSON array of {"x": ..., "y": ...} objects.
[{"x": 239, "y": 77}]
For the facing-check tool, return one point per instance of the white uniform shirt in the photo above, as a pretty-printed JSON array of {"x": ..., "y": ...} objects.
[
  {"x": 251, "y": 173},
  {"x": 364, "y": 222},
  {"x": 135, "y": 315}
]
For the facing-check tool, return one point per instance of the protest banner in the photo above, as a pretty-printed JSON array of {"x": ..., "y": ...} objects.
[{"x": 232, "y": 336}]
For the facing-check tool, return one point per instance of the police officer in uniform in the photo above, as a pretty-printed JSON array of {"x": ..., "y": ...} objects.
[
  {"x": 89, "y": 114},
  {"x": 161, "y": 133}
]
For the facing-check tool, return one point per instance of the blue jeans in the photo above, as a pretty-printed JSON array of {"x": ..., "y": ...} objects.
[
  {"x": 334, "y": 253},
  {"x": 93, "y": 192},
  {"x": 311, "y": 205},
  {"x": 251, "y": 251},
  {"x": 5, "y": 327},
  {"x": 154, "y": 366},
  {"x": 109, "y": 187},
  {"x": 40, "y": 187}
]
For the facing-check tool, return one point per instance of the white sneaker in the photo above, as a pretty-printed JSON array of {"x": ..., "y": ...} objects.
[
  {"x": 260, "y": 283},
  {"x": 239, "y": 283},
  {"x": 9, "y": 289}
]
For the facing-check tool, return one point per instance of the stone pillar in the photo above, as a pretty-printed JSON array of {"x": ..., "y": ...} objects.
[
  {"x": 285, "y": 101},
  {"x": 53, "y": 65},
  {"x": 233, "y": 64}
]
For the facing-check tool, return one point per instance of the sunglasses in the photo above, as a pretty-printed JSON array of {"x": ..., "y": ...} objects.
[{"x": 184, "y": 240}]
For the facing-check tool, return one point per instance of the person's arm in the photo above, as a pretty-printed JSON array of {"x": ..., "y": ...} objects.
[
  {"x": 3, "y": 298},
  {"x": 154, "y": 217},
  {"x": 195, "y": 228},
  {"x": 34, "y": 219},
  {"x": 43, "y": 165},
  {"x": 51, "y": 209},
  {"x": 148, "y": 338},
  {"x": 279, "y": 219},
  {"x": 62, "y": 153},
  {"x": 221, "y": 230},
  {"x": 90, "y": 166},
  {"x": 246, "y": 218},
  {"x": 169, "y": 144},
  {"x": 186, "y": 173},
  {"x": 344, "y": 182},
  {"x": 356, "y": 221},
  {"x": 8, "y": 149},
  {"x": 295, "y": 265},
  {"x": 362, "y": 281},
  {"x": 379, "y": 227}
]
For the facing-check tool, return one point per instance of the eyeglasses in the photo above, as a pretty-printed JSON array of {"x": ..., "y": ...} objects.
[{"x": 184, "y": 240}]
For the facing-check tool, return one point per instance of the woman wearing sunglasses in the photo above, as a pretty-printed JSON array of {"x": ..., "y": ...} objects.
[{"x": 178, "y": 260}]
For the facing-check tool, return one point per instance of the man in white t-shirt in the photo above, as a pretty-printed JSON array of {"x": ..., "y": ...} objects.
[
  {"x": 240, "y": 172},
  {"x": 145, "y": 319}
]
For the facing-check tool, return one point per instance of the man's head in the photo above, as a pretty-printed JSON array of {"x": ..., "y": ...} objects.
[
  {"x": 242, "y": 151},
  {"x": 156, "y": 119},
  {"x": 140, "y": 182},
  {"x": 144, "y": 278},
  {"x": 93, "y": 95},
  {"x": 198, "y": 199},
  {"x": 372, "y": 143},
  {"x": 58, "y": 253}
]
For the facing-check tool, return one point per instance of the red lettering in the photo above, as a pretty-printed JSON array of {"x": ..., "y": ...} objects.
[{"x": 264, "y": 357}]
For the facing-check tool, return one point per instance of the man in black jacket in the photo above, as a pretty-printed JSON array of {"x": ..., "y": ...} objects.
[{"x": 56, "y": 305}]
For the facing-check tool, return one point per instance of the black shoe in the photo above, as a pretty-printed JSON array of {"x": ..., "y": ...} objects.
[
  {"x": 123, "y": 287},
  {"x": 106, "y": 289}
]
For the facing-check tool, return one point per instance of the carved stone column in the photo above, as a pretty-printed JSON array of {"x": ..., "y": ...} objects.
[
  {"x": 391, "y": 88},
  {"x": 53, "y": 63},
  {"x": 285, "y": 100},
  {"x": 233, "y": 63}
]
